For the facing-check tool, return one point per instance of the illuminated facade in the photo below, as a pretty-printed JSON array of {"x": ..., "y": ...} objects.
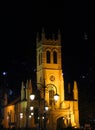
[{"x": 50, "y": 80}]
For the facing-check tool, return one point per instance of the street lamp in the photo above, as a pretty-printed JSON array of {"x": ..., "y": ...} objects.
[
  {"x": 45, "y": 109},
  {"x": 32, "y": 96}
]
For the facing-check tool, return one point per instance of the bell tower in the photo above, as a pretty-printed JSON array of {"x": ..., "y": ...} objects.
[{"x": 49, "y": 66}]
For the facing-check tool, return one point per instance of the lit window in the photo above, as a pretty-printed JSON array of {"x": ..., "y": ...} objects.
[{"x": 48, "y": 56}]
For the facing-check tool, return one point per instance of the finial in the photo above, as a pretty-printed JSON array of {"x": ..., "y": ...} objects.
[
  {"x": 75, "y": 85},
  {"x": 26, "y": 84},
  {"x": 30, "y": 84},
  {"x": 75, "y": 91},
  {"x": 22, "y": 85}
]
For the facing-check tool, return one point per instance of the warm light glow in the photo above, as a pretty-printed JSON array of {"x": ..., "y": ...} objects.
[
  {"x": 32, "y": 96},
  {"x": 32, "y": 113},
  {"x": 31, "y": 108},
  {"x": 21, "y": 115},
  {"x": 43, "y": 118},
  {"x": 29, "y": 116},
  {"x": 46, "y": 108},
  {"x": 7, "y": 117},
  {"x": 56, "y": 97}
]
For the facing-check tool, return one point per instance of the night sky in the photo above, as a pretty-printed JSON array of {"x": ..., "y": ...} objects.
[{"x": 18, "y": 29}]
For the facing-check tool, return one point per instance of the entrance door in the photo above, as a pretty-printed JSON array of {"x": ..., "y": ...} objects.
[{"x": 61, "y": 123}]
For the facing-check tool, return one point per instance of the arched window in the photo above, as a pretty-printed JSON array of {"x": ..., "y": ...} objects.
[
  {"x": 51, "y": 97},
  {"x": 48, "y": 56},
  {"x": 55, "y": 57}
]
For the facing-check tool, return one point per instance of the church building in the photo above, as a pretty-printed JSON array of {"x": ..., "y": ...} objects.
[{"x": 49, "y": 109}]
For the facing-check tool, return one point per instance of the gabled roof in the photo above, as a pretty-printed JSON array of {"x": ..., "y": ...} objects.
[{"x": 14, "y": 101}]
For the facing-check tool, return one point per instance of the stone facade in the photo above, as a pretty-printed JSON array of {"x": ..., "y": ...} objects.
[{"x": 50, "y": 81}]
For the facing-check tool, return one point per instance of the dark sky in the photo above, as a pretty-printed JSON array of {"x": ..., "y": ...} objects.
[{"x": 18, "y": 28}]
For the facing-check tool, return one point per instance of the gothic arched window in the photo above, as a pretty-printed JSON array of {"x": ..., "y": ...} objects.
[
  {"x": 55, "y": 57},
  {"x": 51, "y": 97},
  {"x": 48, "y": 56}
]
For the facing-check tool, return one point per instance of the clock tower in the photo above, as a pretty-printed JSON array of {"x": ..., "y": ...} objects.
[{"x": 49, "y": 66}]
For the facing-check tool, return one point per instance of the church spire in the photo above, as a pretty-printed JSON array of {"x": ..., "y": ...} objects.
[
  {"x": 30, "y": 86},
  {"x": 75, "y": 91},
  {"x": 22, "y": 91}
]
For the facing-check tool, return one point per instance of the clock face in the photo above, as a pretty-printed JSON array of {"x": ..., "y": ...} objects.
[{"x": 52, "y": 78}]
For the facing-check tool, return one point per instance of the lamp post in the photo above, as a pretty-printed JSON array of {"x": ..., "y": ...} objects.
[{"x": 56, "y": 96}]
